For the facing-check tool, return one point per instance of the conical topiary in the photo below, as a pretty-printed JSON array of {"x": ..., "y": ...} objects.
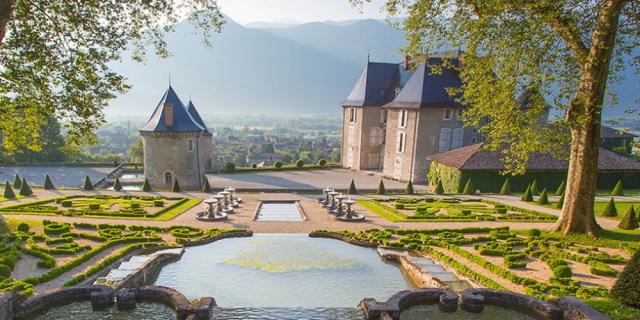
[
  {"x": 610, "y": 209},
  {"x": 409, "y": 188},
  {"x": 506, "y": 187},
  {"x": 352, "y": 188},
  {"x": 439, "y": 187},
  {"x": 617, "y": 190},
  {"x": 381, "y": 188},
  {"x": 527, "y": 196},
  {"x": 560, "y": 202},
  {"x": 87, "y": 185},
  {"x": 116, "y": 185},
  {"x": 534, "y": 188},
  {"x": 146, "y": 187},
  {"x": 8, "y": 191},
  {"x": 543, "y": 198},
  {"x": 48, "y": 184},
  {"x": 560, "y": 190},
  {"x": 17, "y": 182},
  {"x": 176, "y": 186},
  {"x": 25, "y": 189},
  {"x": 206, "y": 188},
  {"x": 469, "y": 188},
  {"x": 629, "y": 221},
  {"x": 627, "y": 288}
]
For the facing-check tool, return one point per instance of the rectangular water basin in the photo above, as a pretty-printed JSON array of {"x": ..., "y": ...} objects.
[{"x": 279, "y": 211}]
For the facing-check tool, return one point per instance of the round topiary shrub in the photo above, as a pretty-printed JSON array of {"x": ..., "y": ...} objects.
[
  {"x": 229, "y": 167},
  {"x": 299, "y": 164},
  {"x": 562, "y": 271},
  {"x": 278, "y": 164},
  {"x": 94, "y": 206},
  {"x": 56, "y": 228},
  {"x": 66, "y": 203},
  {"x": 534, "y": 233},
  {"x": 5, "y": 271},
  {"x": 322, "y": 162},
  {"x": 254, "y": 166},
  {"x": 23, "y": 227}
]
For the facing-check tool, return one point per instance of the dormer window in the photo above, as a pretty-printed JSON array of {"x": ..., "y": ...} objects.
[
  {"x": 448, "y": 113},
  {"x": 168, "y": 114}
]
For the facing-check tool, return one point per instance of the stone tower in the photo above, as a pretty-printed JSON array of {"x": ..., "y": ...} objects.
[{"x": 177, "y": 145}]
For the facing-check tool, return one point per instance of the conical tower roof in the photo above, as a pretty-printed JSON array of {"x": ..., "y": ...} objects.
[
  {"x": 171, "y": 115},
  {"x": 191, "y": 108}
]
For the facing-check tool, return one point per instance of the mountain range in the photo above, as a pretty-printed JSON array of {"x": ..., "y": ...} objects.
[{"x": 265, "y": 68}]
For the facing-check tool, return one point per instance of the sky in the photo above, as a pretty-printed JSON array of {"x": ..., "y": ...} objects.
[{"x": 298, "y": 11}]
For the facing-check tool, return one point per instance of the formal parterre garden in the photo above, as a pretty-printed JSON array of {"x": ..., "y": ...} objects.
[
  {"x": 51, "y": 249},
  {"x": 121, "y": 206},
  {"x": 450, "y": 209},
  {"x": 532, "y": 262}
]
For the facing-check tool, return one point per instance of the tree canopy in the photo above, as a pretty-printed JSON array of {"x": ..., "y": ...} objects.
[{"x": 55, "y": 55}]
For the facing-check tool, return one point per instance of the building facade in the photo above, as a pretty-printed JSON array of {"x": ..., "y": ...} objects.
[{"x": 177, "y": 145}]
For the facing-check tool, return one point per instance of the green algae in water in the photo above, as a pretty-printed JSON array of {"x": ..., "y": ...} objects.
[
  {"x": 83, "y": 311},
  {"x": 283, "y": 255}
]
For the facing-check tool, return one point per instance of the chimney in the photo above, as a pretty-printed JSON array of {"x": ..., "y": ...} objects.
[
  {"x": 407, "y": 62},
  {"x": 168, "y": 114}
]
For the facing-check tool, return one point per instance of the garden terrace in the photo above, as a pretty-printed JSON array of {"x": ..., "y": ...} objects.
[
  {"x": 102, "y": 206},
  {"x": 450, "y": 209},
  {"x": 538, "y": 264},
  {"x": 599, "y": 207},
  {"x": 42, "y": 255}
]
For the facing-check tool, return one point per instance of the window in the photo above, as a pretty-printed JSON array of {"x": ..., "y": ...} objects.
[
  {"x": 445, "y": 138},
  {"x": 352, "y": 115},
  {"x": 404, "y": 115},
  {"x": 458, "y": 138},
  {"x": 190, "y": 148},
  {"x": 447, "y": 114},
  {"x": 168, "y": 179},
  {"x": 402, "y": 141},
  {"x": 383, "y": 116}
]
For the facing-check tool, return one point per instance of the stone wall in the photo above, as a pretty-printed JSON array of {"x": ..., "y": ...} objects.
[{"x": 421, "y": 278}]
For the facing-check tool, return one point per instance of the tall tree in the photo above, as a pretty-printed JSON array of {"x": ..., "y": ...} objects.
[
  {"x": 562, "y": 50},
  {"x": 55, "y": 55}
]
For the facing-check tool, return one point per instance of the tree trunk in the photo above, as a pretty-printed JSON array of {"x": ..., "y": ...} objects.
[
  {"x": 584, "y": 116},
  {"x": 6, "y": 12}
]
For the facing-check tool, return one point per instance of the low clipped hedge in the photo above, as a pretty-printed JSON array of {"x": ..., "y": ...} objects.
[{"x": 601, "y": 269}]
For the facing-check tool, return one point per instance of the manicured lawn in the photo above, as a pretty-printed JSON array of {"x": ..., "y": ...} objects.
[
  {"x": 2, "y": 199},
  {"x": 598, "y": 207}
]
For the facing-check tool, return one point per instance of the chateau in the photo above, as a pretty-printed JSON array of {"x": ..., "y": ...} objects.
[
  {"x": 177, "y": 145},
  {"x": 394, "y": 118}
]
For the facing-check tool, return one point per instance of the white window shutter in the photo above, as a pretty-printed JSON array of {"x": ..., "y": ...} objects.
[{"x": 458, "y": 138}]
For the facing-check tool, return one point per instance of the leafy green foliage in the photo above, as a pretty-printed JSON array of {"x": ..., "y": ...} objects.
[
  {"x": 300, "y": 164},
  {"x": 25, "y": 189},
  {"x": 87, "y": 185},
  {"x": 176, "y": 186},
  {"x": 610, "y": 209},
  {"x": 146, "y": 187},
  {"x": 48, "y": 184},
  {"x": 543, "y": 199},
  {"x": 506, "y": 187},
  {"x": 534, "y": 188},
  {"x": 630, "y": 220},
  {"x": 469, "y": 188},
  {"x": 439, "y": 189},
  {"x": 527, "y": 196},
  {"x": 627, "y": 287},
  {"x": 116, "y": 185},
  {"x": 381, "y": 189},
  {"x": 562, "y": 271},
  {"x": 8, "y": 191},
  {"x": 352, "y": 188},
  {"x": 17, "y": 182},
  {"x": 561, "y": 187},
  {"x": 617, "y": 189},
  {"x": 23, "y": 227},
  {"x": 322, "y": 162},
  {"x": 409, "y": 188},
  {"x": 229, "y": 167},
  {"x": 278, "y": 164}
]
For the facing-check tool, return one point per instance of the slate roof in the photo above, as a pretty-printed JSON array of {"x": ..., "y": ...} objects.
[
  {"x": 376, "y": 85},
  {"x": 611, "y": 133},
  {"x": 182, "y": 120},
  {"x": 473, "y": 157},
  {"x": 427, "y": 89},
  {"x": 191, "y": 108}
]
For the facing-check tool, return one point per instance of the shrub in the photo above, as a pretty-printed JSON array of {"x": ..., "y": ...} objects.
[
  {"x": 94, "y": 206},
  {"x": 352, "y": 188},
  {"x": 300, "y": 164},
  {"x": 610, "y": 209},
  {"x": 534, "y": 233},
  {"x": 206, "y": 188},
  {"x": 627, "y": 288},
  {"x": 23, "y": 227},
  {"x": 87, "y": 185},
  {"x": 134, "y": 205},
  {"x": 560, "y": 190},
  {"x": 278, "y": 164},
  {"x": 629, "y": 221},
  {"x": 158, "y": 203},
  {"x": 5, "y": 271},
  {"x": 562, "y": 271},
  {"x": 322, "y": 162},
  {"x": 469, "y": 188},
  {"x": 617, "y": 189},
  {"x": 176, "y": 186},
  {"x": 17, "y": 182},
  {"x": 543, "y": 199},
  {"x": 229, "y": 167},
  {"x": 146, "y": 187},
  {"x": 56, "y": 228},
  {"x": 66, "y": 203},
  {"x": 560, "y": 202},
  {"x": 409, "y": 188},
  {"x": 8, "y": 191},
  {"x": 506, "y": 187},
  {"x": 381, "y": 188},
  {"x": 439, "y": 188},
  {"x": 534, "y": 188},
  {"x": 526, "y": 196},
  {"x": 48, "y": 184},
  {"x": 25, "y": 189},
  {"x": 254, "y": 165},
  {"x": 116, "y": 185},
  {"x": 601, "y": 269}
]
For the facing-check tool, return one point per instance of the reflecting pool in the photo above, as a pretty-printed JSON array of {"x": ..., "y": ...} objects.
[
  {"x": 283, "y": 270},
  {"x": 278, "y": 211},
  {"x": 83, "y": 311}
]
